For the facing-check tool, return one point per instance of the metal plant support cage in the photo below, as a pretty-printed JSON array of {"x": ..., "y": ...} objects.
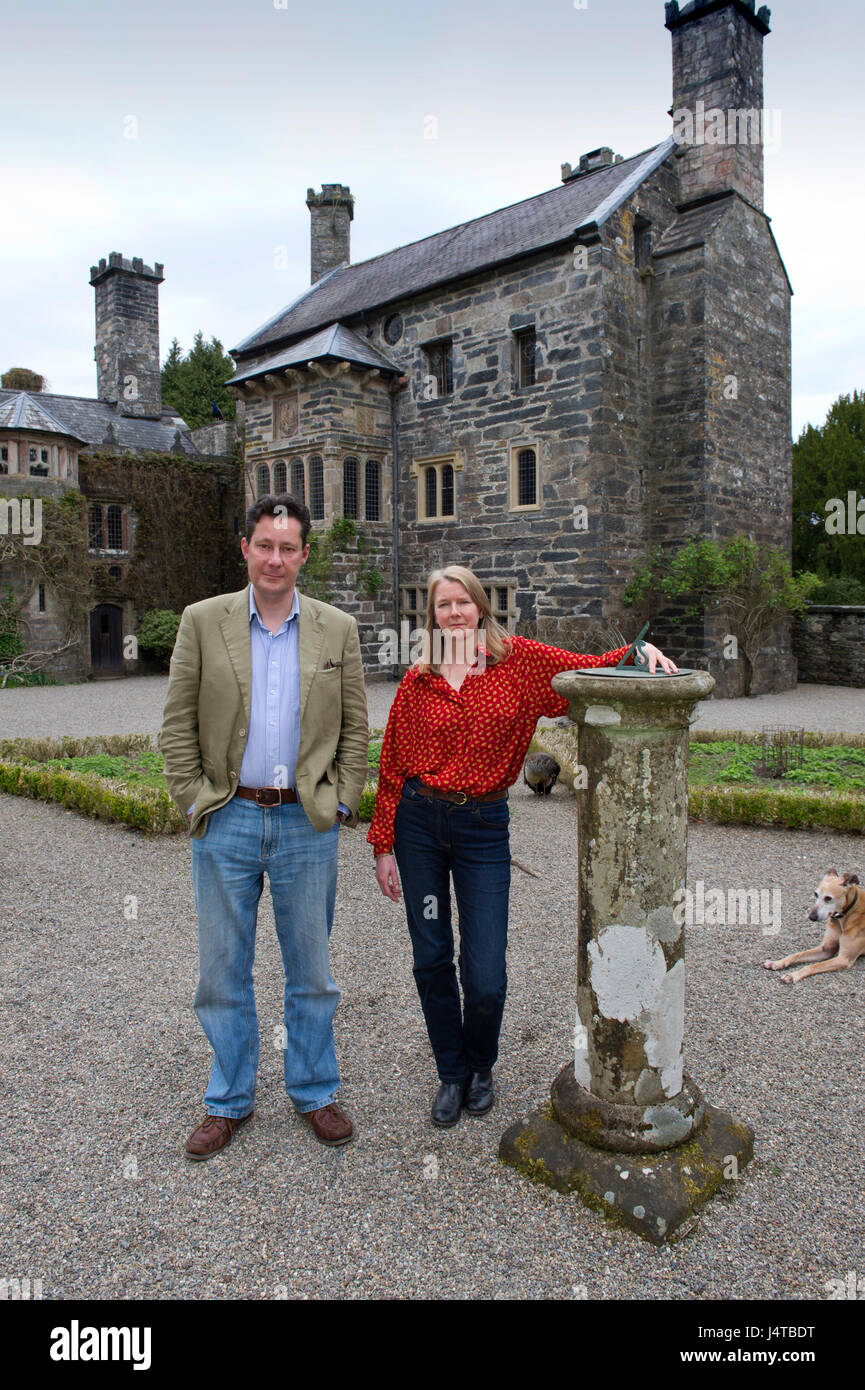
[{"x": 783, "y": 748}]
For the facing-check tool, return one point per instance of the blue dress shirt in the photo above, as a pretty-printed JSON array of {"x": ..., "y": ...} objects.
[{"x": 270, "y": 755}]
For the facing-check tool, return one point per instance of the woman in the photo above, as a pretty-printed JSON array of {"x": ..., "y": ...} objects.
[{"x": 458, "y": 731}]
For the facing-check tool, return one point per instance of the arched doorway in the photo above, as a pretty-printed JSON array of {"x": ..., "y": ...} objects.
[{"x": 106, "y": 640}]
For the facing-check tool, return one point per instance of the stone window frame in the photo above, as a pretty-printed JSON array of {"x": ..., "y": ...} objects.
[
  {"x": 412, "y": 605},
  {"x": 315, "y": 485},
  {"x": 297, "y": 473},
  {"x": 262, "y": 468},
  {"x": 283, "y": 464},
  {"x": 379, "y": 508},
  {"x": 419, "y": 469},
  {"x": 351, "y": 483},
  {"x": 641, "y": 241},
  {"x": 503, "y": 610},
  {"x": 447, "y": 372},
  {"x": 519, "y": 335},
  {"x": 514, "y": 451},
  {"x": 103, "y": 507}
]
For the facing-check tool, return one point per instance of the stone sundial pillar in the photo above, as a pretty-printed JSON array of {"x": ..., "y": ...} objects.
[{"x": 629, "y": 1130}]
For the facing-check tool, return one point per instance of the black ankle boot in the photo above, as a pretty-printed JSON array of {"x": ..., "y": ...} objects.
[
  {"x": 448, "y": 1103},
  {"x": 479, "y": 1093}
]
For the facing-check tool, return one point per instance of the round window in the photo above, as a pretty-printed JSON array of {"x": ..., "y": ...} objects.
[{"x": 393, "y": 328}]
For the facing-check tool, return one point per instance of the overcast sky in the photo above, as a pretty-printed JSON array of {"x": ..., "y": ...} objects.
[{"x": 188, "y": 131}]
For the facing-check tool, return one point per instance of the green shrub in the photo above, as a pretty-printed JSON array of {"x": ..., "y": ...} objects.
[
  {"x": 841, "y": 589},
  {"x": 157, "y": 634}
]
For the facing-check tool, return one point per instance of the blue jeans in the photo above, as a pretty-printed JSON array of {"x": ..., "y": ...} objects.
[
  {"x": 433, "y": 840},
  {"x": 241, "y": 841}
]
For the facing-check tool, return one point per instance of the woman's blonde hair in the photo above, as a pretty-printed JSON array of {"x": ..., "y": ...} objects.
[{"x": 495, "y": 638}]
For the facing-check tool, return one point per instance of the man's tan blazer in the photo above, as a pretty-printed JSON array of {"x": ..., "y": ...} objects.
[{"x": 206, "y": 718}]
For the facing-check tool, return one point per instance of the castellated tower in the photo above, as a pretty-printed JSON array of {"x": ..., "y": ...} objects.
[
  {"x": 331, "y": 211},
  {"x": 127, "y": 334},
  {"x": 718, "y": 96}
]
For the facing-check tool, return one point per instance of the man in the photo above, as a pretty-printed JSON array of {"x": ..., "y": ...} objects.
[{"x": 265, "y": 742}]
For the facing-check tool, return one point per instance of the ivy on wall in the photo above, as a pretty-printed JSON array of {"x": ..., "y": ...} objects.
[
  {"x": 317, "y": 575},
  {"x": 185, "y": 548},
  {"x": 59, "y": 561}
]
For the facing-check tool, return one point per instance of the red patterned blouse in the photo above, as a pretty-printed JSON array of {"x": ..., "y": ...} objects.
[{"x": 473, "y": 739}]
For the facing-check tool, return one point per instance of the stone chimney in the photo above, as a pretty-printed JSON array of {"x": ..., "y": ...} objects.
[
  {"x": 331, "y": 212},
  {"x": 719, "y": 123},
  {"x": 127, "y": 334}
]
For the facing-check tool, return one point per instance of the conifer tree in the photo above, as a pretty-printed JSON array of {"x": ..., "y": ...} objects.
[{"x": 191, "y": 384}]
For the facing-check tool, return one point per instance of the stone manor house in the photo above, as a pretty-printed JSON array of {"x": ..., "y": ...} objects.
[{"x": 549, "y": 391}]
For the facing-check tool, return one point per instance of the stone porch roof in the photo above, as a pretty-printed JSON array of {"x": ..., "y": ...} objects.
[{"x": 335, "y": 341}]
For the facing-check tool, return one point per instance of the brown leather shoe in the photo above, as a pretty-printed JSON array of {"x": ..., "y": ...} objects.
[
  {"x": 331, "y": 1124},
  {"x": 213, "y": 1134}
]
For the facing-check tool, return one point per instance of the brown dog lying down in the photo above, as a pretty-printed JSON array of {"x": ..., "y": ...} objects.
[{"x": 841, "y": 905}]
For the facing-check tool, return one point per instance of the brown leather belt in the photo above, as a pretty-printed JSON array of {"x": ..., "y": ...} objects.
[
  {"x": 460, "y": 798},
  {"x": 268, "y": 796}
]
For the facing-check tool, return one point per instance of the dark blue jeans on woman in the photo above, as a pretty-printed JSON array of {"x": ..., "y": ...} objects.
[{"x": 433, "y": 840}]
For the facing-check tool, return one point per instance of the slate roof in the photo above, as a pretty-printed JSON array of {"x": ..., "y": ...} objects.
[
  {"x": 547, "y": 219},
  {"x": 97, "y": 422},
  {"x": 21, "y": 412},
  {"x": 336, "y": 341}
]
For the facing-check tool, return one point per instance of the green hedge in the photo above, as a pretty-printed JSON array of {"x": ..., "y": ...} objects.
[
  {"x": 795, "y": 810},
  {"x": 141, "y": 807},
  {"x": 24, "y": 772},
  {"x": 730, "y": 805}
]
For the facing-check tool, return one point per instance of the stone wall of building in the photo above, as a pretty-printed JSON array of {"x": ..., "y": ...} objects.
[
  {"x": 42, "y": 628},
  {"x": 324, "y": 413},
  {"x": 829, "y": 644},
  {"x": 721, "y": 422},
  {"x": 374, "y": 612}
]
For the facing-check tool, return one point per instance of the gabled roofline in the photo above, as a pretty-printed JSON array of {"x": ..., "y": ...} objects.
[
  {"x": 614, "y": 200},
  {"x": 647, "y": 164}
]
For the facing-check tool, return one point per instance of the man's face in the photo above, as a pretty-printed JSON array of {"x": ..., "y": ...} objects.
[{"x": 275, "y": 555}]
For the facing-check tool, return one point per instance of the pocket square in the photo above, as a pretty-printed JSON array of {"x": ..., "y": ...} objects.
[{"x": 332, "y": 665}]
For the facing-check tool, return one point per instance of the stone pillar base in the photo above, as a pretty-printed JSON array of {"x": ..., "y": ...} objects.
[
  {"x": 627, "y": 1128},
  {"x": 652, "y": 1194}
]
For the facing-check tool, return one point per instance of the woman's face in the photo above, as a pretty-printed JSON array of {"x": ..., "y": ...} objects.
[{"x": 452, "y": 607}]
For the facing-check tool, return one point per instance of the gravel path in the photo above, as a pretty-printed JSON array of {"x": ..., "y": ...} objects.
[
  {"x": 135, "y": 706},
  {"x": 109, "y": 1064}
]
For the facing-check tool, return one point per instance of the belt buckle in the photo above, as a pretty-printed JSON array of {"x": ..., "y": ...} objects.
[
  {"x": 465, "y": 797},
  {"x": 270, "y": 792}
]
